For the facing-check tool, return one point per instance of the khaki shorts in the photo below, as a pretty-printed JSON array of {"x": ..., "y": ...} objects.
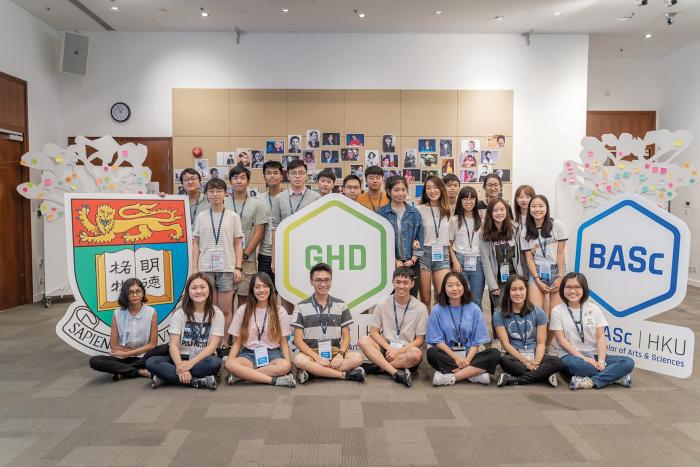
[{"x": 241, "y": 287}]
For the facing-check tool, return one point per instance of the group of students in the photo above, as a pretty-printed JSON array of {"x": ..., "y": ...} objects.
[{"x": 451, "y": 243}]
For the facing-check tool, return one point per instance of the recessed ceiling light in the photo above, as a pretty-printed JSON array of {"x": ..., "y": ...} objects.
[
  {"x": 559, "y": 13},
  {"x": 114, "y": 8},
  {"x": 285, "y": 10},
  {"x": 204, "y": 13},
  {"x": 362, "y": 15},
  {"x": 498, "y": 18},
  {"x": 439, "y": 12},
  {"x": 647, "y": 35},
  {"x": 627, "y": 18}
]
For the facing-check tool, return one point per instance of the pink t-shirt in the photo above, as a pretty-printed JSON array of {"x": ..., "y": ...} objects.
[{"x": 256, "y": 325}]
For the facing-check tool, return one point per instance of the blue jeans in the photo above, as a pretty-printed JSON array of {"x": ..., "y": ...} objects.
[
  {"x": 164, "y": 367},
  {"x": 617, "y": 367},
  {"x": 475, "y": 279}
]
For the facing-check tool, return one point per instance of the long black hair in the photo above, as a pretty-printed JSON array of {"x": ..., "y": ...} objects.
[
  {"x": 442, "y": 297},
  {"x": 492, "y": 234},
  {"x": 468, "y": 192},
  {"x": 531, "y": 232},
  {"x": 507, "y": 304}
]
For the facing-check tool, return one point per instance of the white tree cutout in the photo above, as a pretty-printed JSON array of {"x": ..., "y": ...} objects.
[
  {"x": 121, "y": 171},
  {"x": 602, "y": 174}
]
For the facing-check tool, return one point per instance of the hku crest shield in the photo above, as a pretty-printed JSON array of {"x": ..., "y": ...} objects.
[{"x": 112, "y": 238}]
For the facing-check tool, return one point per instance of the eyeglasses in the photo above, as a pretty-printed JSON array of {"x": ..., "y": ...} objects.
[
  {"x": 574, "y": 288},
  {"x": 189, "y": 179},
  {"x": 296, "y": 173},
  {"x": 322, "y": 281},
  {"x": 351, "y": 187},
  {"x": 493, "y": 185},
  {"x": 136, "y": 292}
]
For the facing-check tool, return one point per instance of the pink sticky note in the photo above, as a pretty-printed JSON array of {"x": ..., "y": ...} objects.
[
  {"x": 25, "y": 189},
  {"x": 608, "y": 188},
  {"x": 655, "y": 170},
  {"x": 670, "y": 185},
  {"x": 47, "y": 182},
  {"x": 646, "y": 166},
  {"x": 664, "y": 170},
  {"x": 590, "y": 153},
  {"x": 125, "y": 153}
]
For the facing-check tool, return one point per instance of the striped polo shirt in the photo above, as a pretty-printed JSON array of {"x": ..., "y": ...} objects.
[{"x": 306, "y": 317}]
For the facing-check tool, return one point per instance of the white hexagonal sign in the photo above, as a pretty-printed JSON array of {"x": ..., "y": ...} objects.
[
  {"x": 635, "y": 257},
  {"x": 356, "y": 242}
]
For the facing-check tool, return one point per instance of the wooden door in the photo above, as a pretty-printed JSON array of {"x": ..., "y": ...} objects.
[
  {"x": 158, "y": 158},
  {"x": 636, "y": 123}
]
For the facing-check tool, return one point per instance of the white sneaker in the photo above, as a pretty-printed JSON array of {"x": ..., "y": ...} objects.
[
  {"x": 581, "y": 382},
  {"x": 625, "y": 381},
  {"x": 552, "y": 380},
  {"x": 232, "y": 379},
  {"x": 443, "y": 379},
  {"x": 483, "y": 378}
]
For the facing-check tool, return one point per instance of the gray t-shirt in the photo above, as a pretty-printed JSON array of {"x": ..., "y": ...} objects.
[
  {"x": 285, "y": 204},
  {"x": 265, "y": 247},
  {"x": 413, "y": 320},
  {"x": 521, "y": 330},
  {"x": 252, "y": 213}
]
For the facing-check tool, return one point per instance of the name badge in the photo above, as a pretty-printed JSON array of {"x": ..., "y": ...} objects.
[
  {"x": 437, "y": 252},
  {"x": 504, "y": 272},
  {"x": 324, "y": 349},
  {"x": 470, "y": 262},
  {"x": 460, "y": 351},
  {"x": 544, "y": 269},
  {"x": 261, "y": 357},
  {"x": 395, "y": 344},
  {"x": 217, "y": 259},
  {"x": 243, "y": 241},
  {"x": 529, "y": 354}
]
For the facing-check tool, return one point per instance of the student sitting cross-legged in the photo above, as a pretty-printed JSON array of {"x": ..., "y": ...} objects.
[
  {"x": 260, "y": 352},
  {"x": 134, "y": 335},
  {"x": 322, "y": 333},
  {"x": 456, "y": 328},
  {"x": 522, "y": 329},
  {"x": 397, "y": 330},
  {"x": 196, "y": 329}
]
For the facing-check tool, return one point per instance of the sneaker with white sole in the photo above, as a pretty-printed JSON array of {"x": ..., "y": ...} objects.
[
  {"x": 403, "y": 376},
  {"x": 208, "y": 382},
  {"x": 356, "y": 374},
  {"x": 552, "y": 380},
  {"x": 286, "y": 380},
  {"x": 156, "y": 382},
  {"x": 302, "y": 376},
  {"x": 581, "y": 382},
  {"x": 443, "y": 379},
  {"x": 506, "y": 380},
  {"x": 232, "y": 379},
  {"x": 625, "y": 381},
  {"x": 483, "y": 378}
]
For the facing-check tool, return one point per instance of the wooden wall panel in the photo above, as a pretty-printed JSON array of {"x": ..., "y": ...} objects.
[
  {"x": 428, "y": 113},
  {"x": 183, "y": 145},
  {"x": 374, "y": 112},
  {"x": 314, "y": 109},
  {"x": 200, "y": 112},
  {"x": 258, "y": 112},
  {"x": 484, "y": 113}
]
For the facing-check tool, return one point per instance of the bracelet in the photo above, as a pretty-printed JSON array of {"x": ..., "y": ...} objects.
[{"x": 239, "y": 269}]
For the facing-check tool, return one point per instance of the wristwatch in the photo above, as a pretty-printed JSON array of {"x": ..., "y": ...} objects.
[
  {"x": 245, "y": 256},
  {"x": 238, "y": 268},
  {"x": 342, "y": 352}
]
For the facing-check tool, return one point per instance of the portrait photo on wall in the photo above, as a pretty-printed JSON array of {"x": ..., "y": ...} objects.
[
  {"x": 313, "y": 139},
  {"x": 310, "y": 158},
  {"x": 288, "y": 158},
  {"x": 226, "y": 158},
  {"x": 445, "y": 148},
  {"x": 350, "y": 155},
  {"x": 258, "y": 158},
  {"x": 484, "y": 170},
  {"x": 329, "y": 156},
  {"x": 426, "y": 145},
  {"x": 338, "y": 173},
  {"x": 428, "y": 173},
  {"x": 390, "y": 160},
  {"x": 371, "y": 157},
  {"x": 331, "y": 139},
  {"x": 221, "y": 172},
  {"x": 419, "y": 191},
  {"x": 294, "y": 144},
  {"x": 176, "y": 175},
  {"x": 504, "y": 174},
  {"x": 495, "y": 141},
  {"x": 243, "y": 157},
  {"x": 410, "y": 158},
  {"x": 468, "y": 159},
  {"x": 337, "y": 189},
  {"x": 313, "y": 175},
  {"x": 389, "y": 143},
  {"x": 274, "y": 146},
  {"x": 202, "y": 166},
  {"x": 447, "y": 166},
  {"x": 428, "y": 160},
  {"x": 489, "y": 157},
  {"x": 357, "y": 170},
  {"x": 470, "y": 145},
  {"x": 411, "y": 175},
  {"x": 355, "y": 139},
  {"x": 391, "y": 172},
  {"x": 468, "y": 175}
]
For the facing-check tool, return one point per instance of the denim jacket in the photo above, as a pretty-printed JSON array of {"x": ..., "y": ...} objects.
[{"x": 411, "y": 228}]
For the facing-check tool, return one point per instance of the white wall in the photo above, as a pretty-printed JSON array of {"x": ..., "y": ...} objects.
[
  {"x": 548, "y": 79},
  {"x": 623, "y": 83},
  {"x": 680, "y": 109},
  {"x": 29, "y": 51}
]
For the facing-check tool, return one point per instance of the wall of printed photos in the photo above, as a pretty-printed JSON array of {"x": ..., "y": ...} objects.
[{"x": 414, "y": 133}]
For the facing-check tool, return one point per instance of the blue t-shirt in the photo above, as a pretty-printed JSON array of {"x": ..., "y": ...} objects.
[
  {"x": 444, "y": 326},
  {"x": 517, "y": 325}
]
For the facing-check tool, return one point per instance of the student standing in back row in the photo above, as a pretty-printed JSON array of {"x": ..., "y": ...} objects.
[
  {"x": 374, "y": 198},
  {"x": 290, "y": 202},
  {"x": 465, "y": 237},
  {"x": 272, "y": 172}
]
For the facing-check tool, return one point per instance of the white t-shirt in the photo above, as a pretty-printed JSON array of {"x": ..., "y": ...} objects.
[
  {"x": 442, "y": 223},
  {"x": 462, "y": 236},
  {"x": 204, "y": 233},
  {"x": 536, "y": 245},
  {"x": 194, "y": 336},
  {"x": 592, "y": 318}
]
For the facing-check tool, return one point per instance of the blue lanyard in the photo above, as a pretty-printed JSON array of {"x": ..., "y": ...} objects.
[
  {"x": 543, "y": 245},
  {"x": 436, "y": 224},
  {"x": 260, "y": 332},
  {"x": 217, "y": 232},
  {"x": 319, "y": 312},
  {"x": 523, "y": 334},
  {"x": 396, "y": 317},
  {"x": 233, "y": 200},
  {"x": 470, "y": 235},
  {"x": 458, "y": 328},
  {"x": 196, "y": 206},
  {"x": 579, "y": 323},
  {"x": 298, "y": 205}
]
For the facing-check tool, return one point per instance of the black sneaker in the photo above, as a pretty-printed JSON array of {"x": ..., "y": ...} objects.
[
  {"x": 156, "y": 382},
  {"x": 357, "y": 374},
  {"x": 506, "y": 380},
  {"x": 371, "y": 369},
  {"x": 302, "y": 376},
  {"x": 403, "y": 376},
  {"x": 222, "y": 352}
]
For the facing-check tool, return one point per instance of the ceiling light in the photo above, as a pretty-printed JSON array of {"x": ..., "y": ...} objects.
[
  {"x": 439, "y": 12},
  {"x": 204, "y": 13},
  {"x": 498, "y": 18},
  {"x": 647, "y": 35},
  {"x": 115, "y": 8},
  {"x": 670, "y": 3},
  {"x": 642, "y": 2},
  {"x": 559, "y": 13},
  {"x": 627, "y": 18},
  {"x": 285, "y": 10},
  {"x": 362, "y": 15}
]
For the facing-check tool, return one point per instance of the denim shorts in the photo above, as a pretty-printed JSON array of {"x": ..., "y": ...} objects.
[
  {"x": 552, "y": 276},
  {"x": 427, "y": 263},
  {"x": 249, "y": 354}
]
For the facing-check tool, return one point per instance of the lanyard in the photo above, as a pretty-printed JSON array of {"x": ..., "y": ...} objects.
[
  {"x": 193, "y": 214},
  {"x": 298, "y": 205},
  {"x": 242, "y": 207},
  {"x": 470, "y": 235},
  {"x": 369, "y": 195},
  {"x": 436, "y": 224},
  {"x": 504, "y": 252},
  {"x": 319, "y": 311},
  {"x": 523, "y": 333},
  {"x": 269, "y": 200},
  {"x": 579, "y": 323},
  {"x": 396, "y": 317},
  {"x": 260, "y": 331},
  {"x": 458, "y": 328},
  {"x": 543, "y": 245},
  {"x": 217, "y": 232}
]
